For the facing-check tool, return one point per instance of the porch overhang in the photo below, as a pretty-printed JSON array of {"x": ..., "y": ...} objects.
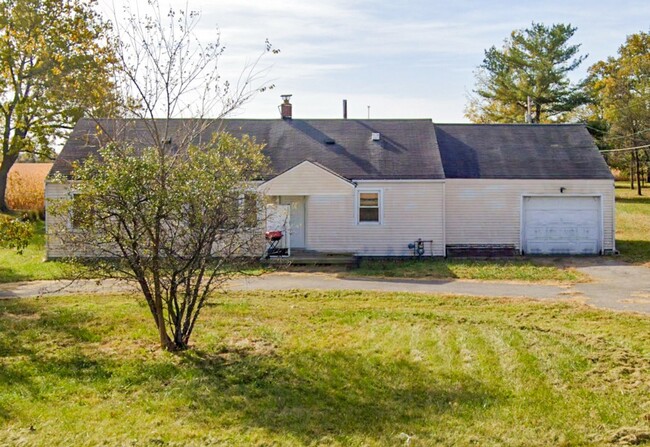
[{"x": 305, "y": 179}]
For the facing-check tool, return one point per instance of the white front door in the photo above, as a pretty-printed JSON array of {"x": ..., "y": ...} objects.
[
  {"x": 296, "y": 219},
  {"x": 561, "y": 225}
]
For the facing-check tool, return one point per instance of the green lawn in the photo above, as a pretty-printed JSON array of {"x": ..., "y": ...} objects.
[
  {"x": 493, "y": 270},
  {"x": 30, "y": 265},
  {"x": 323, "y": 368},
  {"x": 633, "y": 223}
]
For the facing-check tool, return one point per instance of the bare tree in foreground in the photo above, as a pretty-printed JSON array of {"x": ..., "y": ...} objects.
[{"x": 168, "y": 203}]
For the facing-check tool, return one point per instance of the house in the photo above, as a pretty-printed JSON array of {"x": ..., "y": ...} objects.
[{"x": 372, "y": 187}]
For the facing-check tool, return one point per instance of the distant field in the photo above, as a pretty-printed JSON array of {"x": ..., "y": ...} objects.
[
  {"x": 633, "y": 223},
  {"x": 26, "y": 187}
]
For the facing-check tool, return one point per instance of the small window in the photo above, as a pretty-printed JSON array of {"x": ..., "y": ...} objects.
[{"x": 369, "y": 206}]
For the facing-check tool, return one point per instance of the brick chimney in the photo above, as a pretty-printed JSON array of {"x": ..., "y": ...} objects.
[{"x": 285, "y": 107}]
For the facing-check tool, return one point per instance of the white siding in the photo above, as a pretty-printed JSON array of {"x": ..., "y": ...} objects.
[
  {"x": 477, "y": 211},
  {"x": 306, "y": 179},
  {"x": 488, "y": 211},
  {"x": 56, "y": 224},
  {"x": 411, "y": 210},
  {"x": 54, "y": 247}
]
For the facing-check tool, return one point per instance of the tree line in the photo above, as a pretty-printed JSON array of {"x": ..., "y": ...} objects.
[{"x": 527, "y": 79}]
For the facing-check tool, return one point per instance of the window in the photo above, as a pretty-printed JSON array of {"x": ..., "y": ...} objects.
[
  {"x": 240, "y": 211},
  {"x": 369, "y": 206}
]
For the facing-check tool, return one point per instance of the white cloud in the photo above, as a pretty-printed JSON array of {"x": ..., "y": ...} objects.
[{"x": 421, "y": 52}]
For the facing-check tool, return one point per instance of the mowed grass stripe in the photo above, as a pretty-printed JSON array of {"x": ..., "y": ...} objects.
[
  {"x": 496, "y": 337},
  {"x": 554, "y": 358},
  {"x": 486, "y": 365},
  {"x": 309, "y": 368}
]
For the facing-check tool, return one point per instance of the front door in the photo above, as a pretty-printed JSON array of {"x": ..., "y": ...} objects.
[{"x": 296, "y": 219}]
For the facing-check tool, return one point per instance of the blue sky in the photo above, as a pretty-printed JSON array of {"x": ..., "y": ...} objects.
[{"x": 404, "y": 59}]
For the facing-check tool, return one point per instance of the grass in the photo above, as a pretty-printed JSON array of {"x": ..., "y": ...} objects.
[
  {"x": 30, "y": 265},
  {"x": 633, "y": 224},
  {"x": 324, "y": 368},
  {"x": 492, "y": 270}
]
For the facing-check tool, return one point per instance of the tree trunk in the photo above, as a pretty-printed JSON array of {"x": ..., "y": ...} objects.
[
  {"x": 632, "y": 172},
  {"x": 538, "y": 114},
  {"x": 6, "y": 164},
  {"x": 638, "y": 173},
  {"x": 165, "y": 342}
]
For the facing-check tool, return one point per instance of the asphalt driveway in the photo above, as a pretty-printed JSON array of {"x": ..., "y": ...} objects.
[{"x": 615, "y": 286}]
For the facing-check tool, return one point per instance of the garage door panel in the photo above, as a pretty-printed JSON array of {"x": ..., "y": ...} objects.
[
  {"x": 588, "y": 232},
  {"x": 558, "y": 248},
  {"x": 535, "y": 248},
  {"x": 561, "y": 225},
  {"x": 587, "y": 248},
  {"x": 537, "y": 232}
]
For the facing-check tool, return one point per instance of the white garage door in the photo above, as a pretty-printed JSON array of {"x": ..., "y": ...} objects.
[{"x": 561, "y": 225}]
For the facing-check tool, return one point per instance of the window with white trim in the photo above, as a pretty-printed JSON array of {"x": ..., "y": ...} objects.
[{"x": 368, "y": 206}]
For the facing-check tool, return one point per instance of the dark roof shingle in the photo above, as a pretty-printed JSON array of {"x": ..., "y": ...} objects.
[
  {"x": 406, "y": 150},
  {"x": 519, "y": 151}
]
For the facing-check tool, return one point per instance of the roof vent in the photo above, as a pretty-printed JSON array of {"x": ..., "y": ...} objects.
[
  {"x": 376, "y": 136},
  {"x": 329, "y": 141}
]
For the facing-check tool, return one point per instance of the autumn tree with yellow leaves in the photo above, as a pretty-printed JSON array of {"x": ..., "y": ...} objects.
[
  {"x": 55, "y": 64},
  {"x": 620, "y": 88}
]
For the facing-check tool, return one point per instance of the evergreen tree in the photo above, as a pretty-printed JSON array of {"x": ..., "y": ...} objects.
[{"x": 534, "y": 62}]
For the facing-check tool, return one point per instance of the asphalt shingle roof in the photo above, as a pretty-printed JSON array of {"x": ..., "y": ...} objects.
[
  {"x": 519, "y": 151},
  {"x": 407, "y": 149}
]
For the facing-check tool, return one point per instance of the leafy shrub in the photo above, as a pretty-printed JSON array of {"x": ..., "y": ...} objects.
[{"x": 14, "y": 233}]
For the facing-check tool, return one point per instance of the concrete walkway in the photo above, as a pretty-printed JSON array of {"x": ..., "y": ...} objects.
[{"x": 615, "y": 286}]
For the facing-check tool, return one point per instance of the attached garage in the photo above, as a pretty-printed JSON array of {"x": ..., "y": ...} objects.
[
  {"x": 529, "y": 189},
  {"x": 473, "y": 189},
  {"x": 561, "y": 225}
]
